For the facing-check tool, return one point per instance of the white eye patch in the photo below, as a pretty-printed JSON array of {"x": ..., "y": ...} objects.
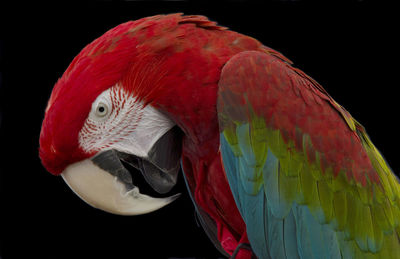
[{"x": 118, "y": 121}]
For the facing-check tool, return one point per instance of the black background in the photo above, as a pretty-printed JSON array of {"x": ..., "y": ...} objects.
[{"x": 350, "y": 49}]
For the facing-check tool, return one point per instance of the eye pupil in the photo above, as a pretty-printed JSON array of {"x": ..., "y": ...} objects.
[{"x": 101, "y": 110}]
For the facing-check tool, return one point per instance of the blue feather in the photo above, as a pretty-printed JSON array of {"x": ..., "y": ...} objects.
[
  {"x": 274, "y": 232},
  {"x": 289, "y": 234},
  {"x": 315, "y": 240},
  {"x": 253, "y": 204},
  {"x": 275, "y": 228},
  {"x": 230, "y": 164},
  {"x": 279, "y": 207}
]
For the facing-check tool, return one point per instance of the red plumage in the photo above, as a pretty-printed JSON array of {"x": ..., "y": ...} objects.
[
  {"x": 164, "y": 60},
  {"x": 301, "y": 107},
  {"x": 174, "y": 62}
]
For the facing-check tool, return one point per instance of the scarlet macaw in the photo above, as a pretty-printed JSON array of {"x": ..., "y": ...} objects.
[{"x": 275, "y": 167}]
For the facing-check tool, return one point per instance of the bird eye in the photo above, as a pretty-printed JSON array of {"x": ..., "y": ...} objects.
[{"x": 101, "y": 110}]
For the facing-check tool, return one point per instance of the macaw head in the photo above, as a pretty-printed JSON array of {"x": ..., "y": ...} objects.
[
  {"x": 102, "y": 133},
  {"x": 132, "y": 105}
]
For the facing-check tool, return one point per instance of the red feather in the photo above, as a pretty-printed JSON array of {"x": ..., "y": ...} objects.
[
  {"x": 291, "y": 101},
  {"x": 172, "y": 62}
]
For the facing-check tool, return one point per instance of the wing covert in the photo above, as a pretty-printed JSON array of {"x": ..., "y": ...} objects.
[{"x": 305, "y": 176}]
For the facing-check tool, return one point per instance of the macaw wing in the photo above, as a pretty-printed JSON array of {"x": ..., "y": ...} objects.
[{"x": 306, "y": 179}]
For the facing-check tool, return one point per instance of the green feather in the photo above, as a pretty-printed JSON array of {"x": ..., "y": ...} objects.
[
  {"x": 375, "y": 244},
  {"x": 326, "y": 200},
  {"x": 309, "y": 187},
  {"x": 352, "y": 215},
  {"x": 364, "y": 216},
  {"x": 230, "y": 136},
  {"x": 340, "y": 209},
  {"x": 364, "y": 193},
  {"x": 363, "y": 227},
  {"x": 382, "y": 221},
  {"x": 288, "y": 187},
  {"x": 339, "y": 182}
]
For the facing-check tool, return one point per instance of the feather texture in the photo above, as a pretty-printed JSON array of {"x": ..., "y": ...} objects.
[{"x": 301, "y": 168}]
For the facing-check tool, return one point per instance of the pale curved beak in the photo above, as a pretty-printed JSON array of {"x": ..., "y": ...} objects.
[{"x": 110, "y": 192}]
